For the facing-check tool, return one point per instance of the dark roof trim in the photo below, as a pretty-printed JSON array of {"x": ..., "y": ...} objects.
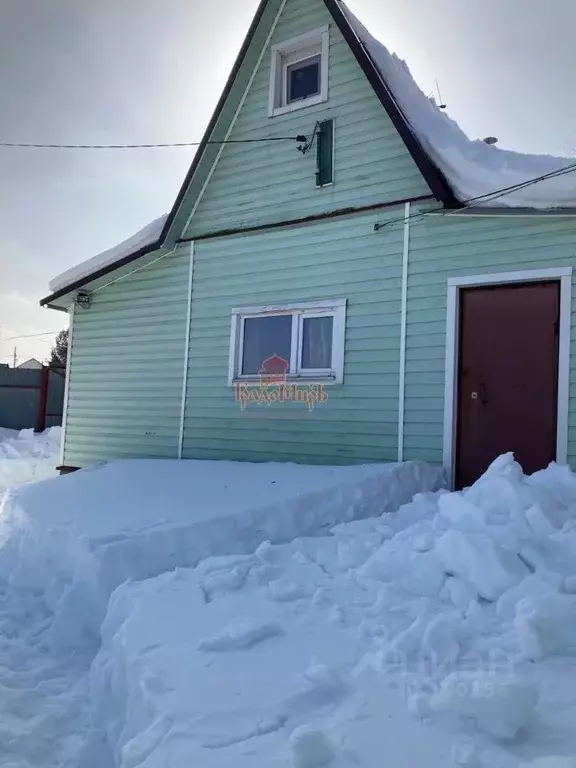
[
  {"x": 189, "y": 176},
  {"x": 214, "y": 119},
  {"x": 433, "y": 176},
  {"x": 335, "y": 214},
  {"x": 102, "y": 272}
]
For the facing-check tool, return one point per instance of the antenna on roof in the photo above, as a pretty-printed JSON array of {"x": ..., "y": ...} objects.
[{"x": 441, "y": 104}]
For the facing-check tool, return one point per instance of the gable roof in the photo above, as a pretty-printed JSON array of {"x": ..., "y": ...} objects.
[
  {"x": 475, "y": 170},
  {"x": 79, "y": 276},
  {"x": 342, "y": 17},
  {"x": 456, "y": 169}
]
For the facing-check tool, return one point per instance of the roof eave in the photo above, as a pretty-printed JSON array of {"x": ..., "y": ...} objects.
[
  {"x": 82, "y": 282},
  {"x": 434, "y": 177},
  {"x": 431, "y": 173},
  {"x": 213, "y": 120}
]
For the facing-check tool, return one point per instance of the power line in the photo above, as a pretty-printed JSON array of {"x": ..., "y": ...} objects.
[
  {"x": 30, "y": 336},
  {"x": 26, "y": 145},
  {"x": 488, "y": 196}
]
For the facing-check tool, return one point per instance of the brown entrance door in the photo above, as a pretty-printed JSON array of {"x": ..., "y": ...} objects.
[{"x": 508, "y": 377}]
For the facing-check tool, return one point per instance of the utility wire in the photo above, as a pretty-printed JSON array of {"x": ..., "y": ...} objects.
[
  {"x": 30, "y": 336},
  {"x": 26, "y": 145},
  {"x": 488, "y": 196}
]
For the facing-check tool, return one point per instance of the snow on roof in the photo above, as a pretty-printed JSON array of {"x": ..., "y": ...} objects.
[
  {"x": 146, "y": 236},
  {"x": 472, "y": 168}
]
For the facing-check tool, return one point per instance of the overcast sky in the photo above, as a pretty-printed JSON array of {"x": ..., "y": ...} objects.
[{"x": 138, "y": 71}]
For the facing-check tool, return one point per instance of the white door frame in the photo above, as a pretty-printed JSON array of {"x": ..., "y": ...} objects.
[{"x": 564, "y": 276}]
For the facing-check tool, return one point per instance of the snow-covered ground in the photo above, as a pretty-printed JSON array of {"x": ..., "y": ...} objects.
[
  {"x": 26, "y": 457},
  {"x": 67, "y": 543},
  {"x": 166, "y": 614},
  {"x": 441, "y": 635}
]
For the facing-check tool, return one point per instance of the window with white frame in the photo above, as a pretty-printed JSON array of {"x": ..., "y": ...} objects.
[
  {"x": 299, "y": 72},
  {"x": 300, "y": 341}
]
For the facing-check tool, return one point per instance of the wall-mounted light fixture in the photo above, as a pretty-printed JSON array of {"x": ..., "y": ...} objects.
[{"x": 83, "y": 299}]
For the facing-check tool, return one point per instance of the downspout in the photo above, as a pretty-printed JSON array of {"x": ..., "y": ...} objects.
[
  {"x": 403, "y": 320},
  {"x": 186, "y": 354}
]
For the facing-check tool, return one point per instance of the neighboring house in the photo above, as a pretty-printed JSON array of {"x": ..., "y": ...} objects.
[
  {"x": 32, "y": 364},
  {"x": 376, "y": 271}
]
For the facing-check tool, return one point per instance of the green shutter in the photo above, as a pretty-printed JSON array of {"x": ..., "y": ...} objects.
[{"x": 325, "y": 153}]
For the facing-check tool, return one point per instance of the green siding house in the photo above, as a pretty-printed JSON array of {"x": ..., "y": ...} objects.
[{"x": 344, "y": 277}]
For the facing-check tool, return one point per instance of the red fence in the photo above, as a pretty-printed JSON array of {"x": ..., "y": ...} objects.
[{"x": 31, "y": 398}]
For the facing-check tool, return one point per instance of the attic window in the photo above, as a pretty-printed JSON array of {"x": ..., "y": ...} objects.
[
  {"x": 303, "y": 79},
  {"x": 299, "y": 72}
]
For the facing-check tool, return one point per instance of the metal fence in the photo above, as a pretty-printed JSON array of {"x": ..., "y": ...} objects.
[{"x": 31, "y": 398}]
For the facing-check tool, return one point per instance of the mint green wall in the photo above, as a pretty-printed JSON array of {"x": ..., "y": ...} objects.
[
  {"x": 451, "y": 246},
  {"x": 261, "y": 183},
  {"x": 128, "y": 348},
  {"x": 127, "y": 366},
  {"x": 338, "y": 258}
]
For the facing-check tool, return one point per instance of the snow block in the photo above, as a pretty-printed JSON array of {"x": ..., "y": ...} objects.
[
  {"x": 546, "y": 625},
  {"x": 78, "y": 537},
  {"x": 480, "y": 561},
  {"x": 419, "y": 573}
]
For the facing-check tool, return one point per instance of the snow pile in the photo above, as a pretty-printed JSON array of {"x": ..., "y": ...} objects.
[
  {"x": 379, "y": 641},
  {"x": 472, "y": 168},
  {"x": 146, "y": 236},
  {"x": 66, "y": 543},
  {"x": 26, "y": 457},
  {"x": 136, "y": 519}
]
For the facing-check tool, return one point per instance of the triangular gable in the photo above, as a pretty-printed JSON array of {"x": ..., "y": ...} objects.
[
  {"x": 230, "y": 99},
  {"x": 219, "y": 125}
]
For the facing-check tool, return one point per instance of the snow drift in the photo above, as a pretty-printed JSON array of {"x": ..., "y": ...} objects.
[
  {"x": 136, "y": 519},
  {"x": 218, "y": 614},
  {"x": 26, "y": 457},
  {"x": 66, "y": 543},
  {"x": 386, "y": 637}
]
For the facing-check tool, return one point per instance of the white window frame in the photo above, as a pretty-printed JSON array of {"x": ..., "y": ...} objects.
[
  {"x": 290, "y": 52},
  {"x": 335, "y": 308}
]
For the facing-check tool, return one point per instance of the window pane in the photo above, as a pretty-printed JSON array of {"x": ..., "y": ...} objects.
[
  {"x": 317, "y": 342},
  {"x": 304, "y": 79},
  {"x": 266, "y": 337}
]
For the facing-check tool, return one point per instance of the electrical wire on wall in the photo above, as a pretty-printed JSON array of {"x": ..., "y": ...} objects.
[
  {"x": 487, "y": 197},
  {"x": 26, "y": 145}
]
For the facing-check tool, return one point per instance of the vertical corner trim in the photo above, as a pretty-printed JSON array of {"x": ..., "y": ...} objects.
[
  {"x": 186, "y": 353},
  {"x": 565, "y": 338},
  {"x": 67, "y": 384},
  {"x": 452, "y": 333},
  {"x": 403, "y": 328}
]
